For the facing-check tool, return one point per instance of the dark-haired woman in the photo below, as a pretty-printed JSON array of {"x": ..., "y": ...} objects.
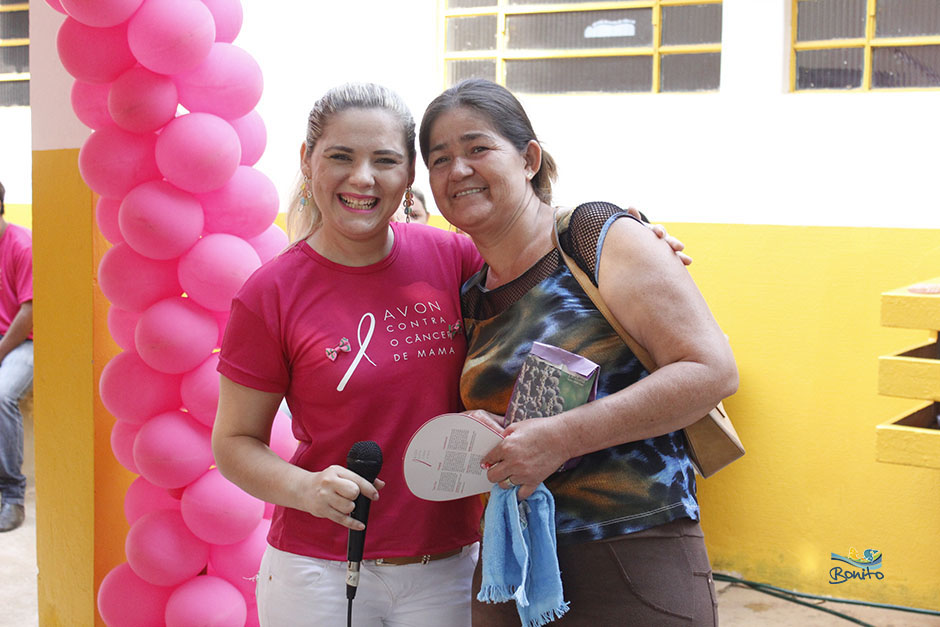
[{"x": 631, "y": 549}]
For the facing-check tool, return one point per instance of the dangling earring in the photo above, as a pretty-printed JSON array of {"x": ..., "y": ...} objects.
[
  {"x": 305, "y": 193},
  {"x": 408, "y": 203}
]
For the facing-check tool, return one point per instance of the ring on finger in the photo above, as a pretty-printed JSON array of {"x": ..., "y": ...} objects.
[{"x": 509, "y": 481}]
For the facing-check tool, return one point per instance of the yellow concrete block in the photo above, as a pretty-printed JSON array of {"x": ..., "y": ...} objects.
[
  {"x": 911, "y": 439},
  {"x": 911, "y": 310},
  {"x": 911, "y": 373}
]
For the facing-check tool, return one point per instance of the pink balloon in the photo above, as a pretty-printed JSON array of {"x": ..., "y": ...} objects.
[
  {"x": 252, "y": 135},
  {"x": 143, "y": 497},
  {"x": 122, "y": 324},
  {"x": 222, "y": 317},
  {"x": 106, "y": 215},
  {"x": 218, "y": 511},
  {"x": 133, "y": 391},
  {"x": 101, "y": 13},
  {"x": 175, "y": 335},
  {"x": 90, "y": 103},
  {"x": 134, "y": 282},
  {"x": 141, "y": 101},
  {"x": 160, "y": 221},
  {"x": 227, "y": 83},
  {"x": 228, "y": 18},
  {"x": 55, "y": 4},
  {"x": 198, "y": 152},
  {"x": 122, "y": 443},
  {"x": 282, "y": 436},
  {"x": 206, "y": 600},
  {"x": 269, "y": 243},
  {"x": 245, "y": 206},
  {"x": 162, "y": 551},
  {"x": 126, "y": 600},
  {"x": 172, "y": 450},
  {"x": 171, "y": 36},
  {"x": 95, "y": 55},
  {"x": 215, "y": 268},
  {"x": 200, "y": 390},
  {"x": 113, "y": 161},
  {"x": 238, "y": 563},
  {"x": 252, "y": 603}
]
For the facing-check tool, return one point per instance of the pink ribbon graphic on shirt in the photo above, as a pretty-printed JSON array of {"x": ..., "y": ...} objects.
[
  {"x": 343, "y": 347},
  {"x": 363, "y": 345}
]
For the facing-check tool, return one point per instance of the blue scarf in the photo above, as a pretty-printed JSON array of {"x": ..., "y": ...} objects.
[{"x": 520, "y": 558}]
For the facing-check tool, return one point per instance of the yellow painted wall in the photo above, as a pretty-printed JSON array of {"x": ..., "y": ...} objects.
[
  {"x": 80, "y": 487},
  {"x": 801, "y": 306},
  {"x": 19, "y": 214}
]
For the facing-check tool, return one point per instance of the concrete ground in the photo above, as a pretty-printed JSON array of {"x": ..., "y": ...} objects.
[
  {"x": 18, "y": 570},
  {"x": 738, "y": 606}
]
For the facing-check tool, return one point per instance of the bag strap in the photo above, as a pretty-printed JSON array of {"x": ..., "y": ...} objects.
[{"x": 595, "y": 295}]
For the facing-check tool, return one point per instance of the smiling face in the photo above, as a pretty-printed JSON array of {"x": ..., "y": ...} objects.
[
  {"x": 359, "y": 169},
  {"x": 477, "y": 176}
]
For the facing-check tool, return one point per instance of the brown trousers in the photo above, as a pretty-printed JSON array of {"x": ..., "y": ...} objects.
[{"x": 659, "y": 576}]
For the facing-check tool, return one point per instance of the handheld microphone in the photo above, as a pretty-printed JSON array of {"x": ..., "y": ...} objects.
[{"x": 364, "y": 459}]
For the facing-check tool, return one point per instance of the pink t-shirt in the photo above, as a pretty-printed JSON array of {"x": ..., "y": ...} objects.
[
  {"x": 402, "y": 368},
  {"x": 16, "y": 273}
]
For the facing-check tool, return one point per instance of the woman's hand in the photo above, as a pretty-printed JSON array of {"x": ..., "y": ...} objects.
[
  {"x": 240, "y": 439},
  {"x": 530, "y": 452},
  {"x": 332, "y": 494},
  {"x": 660, "y": 231}
]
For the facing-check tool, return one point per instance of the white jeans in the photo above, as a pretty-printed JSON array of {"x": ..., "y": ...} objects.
[{"x": 295, "y": 590}]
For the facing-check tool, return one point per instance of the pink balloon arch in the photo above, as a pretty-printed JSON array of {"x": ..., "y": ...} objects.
[{"x": 171, "y": 104}]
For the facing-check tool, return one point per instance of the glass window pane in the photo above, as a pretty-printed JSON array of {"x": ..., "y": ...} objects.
[
  {"x": 471, "y": 33},
  {"x": 903, "y": 18},
  {"x": 606, "y": 74},
  {"x": 830, "y": 19},
  {"x": 696, "y": 24},
  {"x": 840, "y": 68},
  {"x": 476, "y": 68},
  {"x": 14, "y": 25},
  {"x": 690, "y": 72},
  {"x": 906, "y": 66},
  {"x": 14, "y": 93},
  {"x": 14, "y": 59},
  {"x": 470, "y": 4},
  {"x": 581, "y": 29}
]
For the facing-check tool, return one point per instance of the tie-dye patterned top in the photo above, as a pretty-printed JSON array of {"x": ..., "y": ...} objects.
[{"x": 619, "y": 490}]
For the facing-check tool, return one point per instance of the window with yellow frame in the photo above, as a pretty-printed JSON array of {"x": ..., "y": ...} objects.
[
  {"x": 14, "y": 53},
  {"x": 865, "y": 44},
  {"x": 553, "y": 46}
]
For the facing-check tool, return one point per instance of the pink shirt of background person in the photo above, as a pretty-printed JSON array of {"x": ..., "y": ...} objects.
[{"x": 16, "y": 273}]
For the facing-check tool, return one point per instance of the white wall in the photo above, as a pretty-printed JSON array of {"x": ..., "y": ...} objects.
[
  {"x": 305, "y": 48},
  {"x": 16, "y": 172},
  {"x": 753, "y": 153}
]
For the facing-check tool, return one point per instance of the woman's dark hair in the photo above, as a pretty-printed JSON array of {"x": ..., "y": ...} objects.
[
  {"x": 506, "y": 115},
  {"x": 3, "y": 193}
]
